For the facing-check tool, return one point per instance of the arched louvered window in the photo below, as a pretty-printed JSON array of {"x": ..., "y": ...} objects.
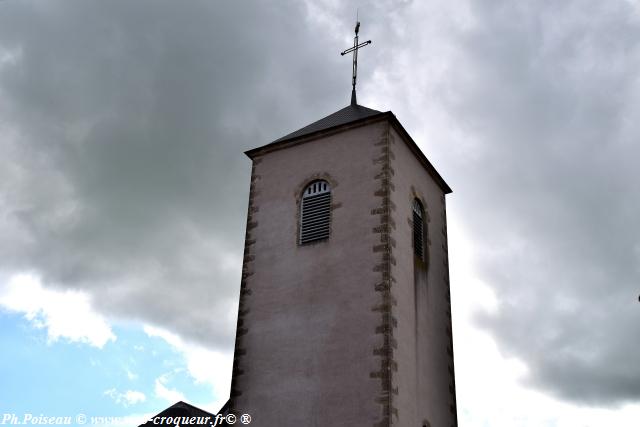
[
  {"x": 315, "y": 212},
  {"x": 418, "y": 229}
]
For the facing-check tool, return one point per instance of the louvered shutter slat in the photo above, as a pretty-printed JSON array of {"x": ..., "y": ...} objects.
[
  {"x": 315, "y": 215},
  {"x": 418, "y": 230}
]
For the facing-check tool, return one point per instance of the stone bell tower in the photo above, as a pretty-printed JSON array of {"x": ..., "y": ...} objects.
[{"x": 345, "y": 312}]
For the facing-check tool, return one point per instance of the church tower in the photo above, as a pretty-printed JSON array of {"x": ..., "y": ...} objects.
[{"x": 345, "y": 312}]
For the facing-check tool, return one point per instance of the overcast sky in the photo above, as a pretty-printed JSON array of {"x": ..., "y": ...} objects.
[{"x": 123, "y": 189}]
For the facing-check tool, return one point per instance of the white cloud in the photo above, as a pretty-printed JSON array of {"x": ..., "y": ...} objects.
[
  {"x": 204, "y": 366},
  {"x": 128, "y": 398},
  {"x": 492, "y": 389},
  {"x": 64, "y": 314},
  {"x": 163, "y": 392},
  {"x": 131, "y": 375}
]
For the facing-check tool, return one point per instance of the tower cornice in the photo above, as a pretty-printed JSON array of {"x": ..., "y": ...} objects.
[{"x": 324, "y": 131}]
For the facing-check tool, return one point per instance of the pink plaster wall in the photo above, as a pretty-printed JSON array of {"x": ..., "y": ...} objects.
[
  {"x": 310, "y": 327},
  {"x": 423, "y": 310},
  {"x": 310, "y": 349}
]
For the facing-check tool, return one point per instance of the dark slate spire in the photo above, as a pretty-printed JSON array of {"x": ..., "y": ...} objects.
[{"x": 348, "y": 114}]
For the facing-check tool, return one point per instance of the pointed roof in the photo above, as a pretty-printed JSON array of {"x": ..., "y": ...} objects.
[
  {"x": 353, "y": 115},
  {"x": 348, "y": 114},
  {"x": 183, "y": 409}
]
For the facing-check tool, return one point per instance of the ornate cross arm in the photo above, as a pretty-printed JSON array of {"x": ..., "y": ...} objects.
[
  {"x": 354, "y": 49},
  {"x": 351, "y": 49}
]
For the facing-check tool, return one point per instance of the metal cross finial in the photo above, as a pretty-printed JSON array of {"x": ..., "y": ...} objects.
[{"x": 354, "y": 49}]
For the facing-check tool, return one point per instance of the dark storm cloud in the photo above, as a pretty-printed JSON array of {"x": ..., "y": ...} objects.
[
  {"x": 549, "y": 94},
  {"x": 122, "y": 131}
]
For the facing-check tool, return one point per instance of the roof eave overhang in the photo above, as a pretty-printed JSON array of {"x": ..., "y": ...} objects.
[
  {"x": 388, "y": 115},
  {"x": 283, "y": 143},
  {"x": 419, "y": 154}
]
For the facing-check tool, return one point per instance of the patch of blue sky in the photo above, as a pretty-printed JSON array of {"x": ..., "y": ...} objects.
[{"x": 64, "y": 378}]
